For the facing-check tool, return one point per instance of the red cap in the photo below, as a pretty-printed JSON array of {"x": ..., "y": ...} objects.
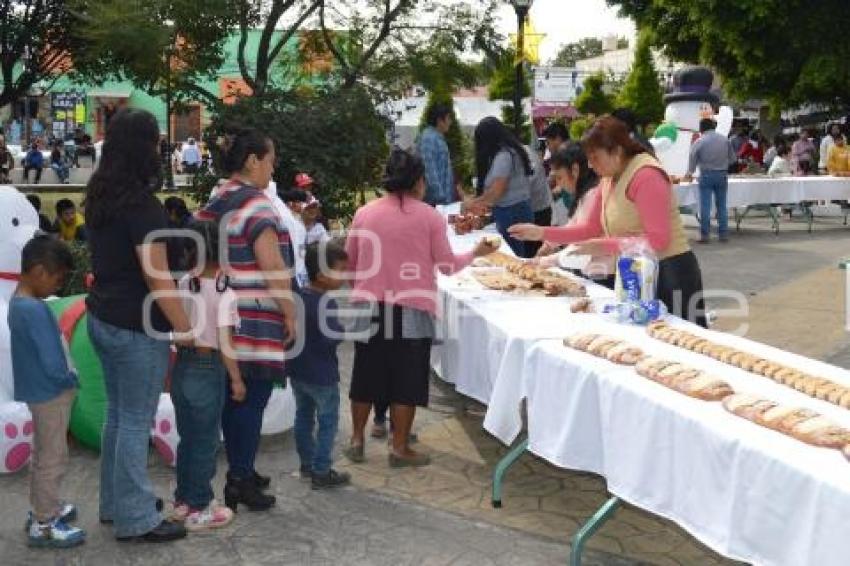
[{"x": 303, "y": 180}]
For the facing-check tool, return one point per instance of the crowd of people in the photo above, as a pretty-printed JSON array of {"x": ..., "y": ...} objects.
[
  {"x": 64, "y": 154},
  {"x": 803, "y": 153},
  {"x": 252, "y": 299}
]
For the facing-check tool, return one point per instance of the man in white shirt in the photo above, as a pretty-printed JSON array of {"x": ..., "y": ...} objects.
[
  {"x": 834, "y": 131},
  {"x": 191, "y": 157}
]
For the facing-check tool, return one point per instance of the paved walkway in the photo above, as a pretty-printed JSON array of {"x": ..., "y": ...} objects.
[{"x": 442, "y": 514}]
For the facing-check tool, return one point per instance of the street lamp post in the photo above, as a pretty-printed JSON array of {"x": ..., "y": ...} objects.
[{"x": 521, "y": 8}]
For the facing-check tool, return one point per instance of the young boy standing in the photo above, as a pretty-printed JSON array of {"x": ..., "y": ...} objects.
[
  {"x": 46, "y": 383},
  {"x": 315, "y": 371}
]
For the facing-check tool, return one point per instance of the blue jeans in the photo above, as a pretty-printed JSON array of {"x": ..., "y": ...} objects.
[
  {"x": 714, "y": 183},
  {"x": 507, "y": 216},
  {"x": 198, "y": 388},
  {"x": 315, "y": 404},
  {"x": 134, "y": 368},
  {"x": 241, "y": 423},
  {"x": 61, "y": 171}
]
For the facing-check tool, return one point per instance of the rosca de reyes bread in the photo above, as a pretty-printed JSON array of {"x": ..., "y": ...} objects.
[
  {"x": 813, "y": 386},
  {"x": 803, "y": 424}
]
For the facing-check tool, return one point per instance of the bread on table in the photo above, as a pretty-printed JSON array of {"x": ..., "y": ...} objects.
[
  {"x": 610, "y": 348},
  {"x": 805, "y": 425},
  {"x": 684, "y": 379},
  {"x": 810, "y": 385},
  {"x": 582, "y": 305}
]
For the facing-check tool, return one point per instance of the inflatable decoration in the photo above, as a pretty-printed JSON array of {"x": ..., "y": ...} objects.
[
  {"x": 691, "y": 101},
  {"x": 89, "y": 409},
  {"x": 18, "y": 224}
]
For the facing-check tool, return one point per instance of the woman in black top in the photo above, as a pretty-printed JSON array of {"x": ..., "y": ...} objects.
[{"x": 128, "y": 322}]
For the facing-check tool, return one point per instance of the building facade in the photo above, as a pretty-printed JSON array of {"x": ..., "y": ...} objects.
[{"x": 67, "y": 105}]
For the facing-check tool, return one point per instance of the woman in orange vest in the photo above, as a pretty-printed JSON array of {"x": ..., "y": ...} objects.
[{"x": 635, "y": 199}]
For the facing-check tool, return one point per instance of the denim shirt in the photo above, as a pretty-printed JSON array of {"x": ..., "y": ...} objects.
[{"x": 434, "y": 152}]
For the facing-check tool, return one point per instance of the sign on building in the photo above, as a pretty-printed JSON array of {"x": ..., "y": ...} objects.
[
  {"x": 67, "y": 111},
  {"x": 556, "y": 85}
]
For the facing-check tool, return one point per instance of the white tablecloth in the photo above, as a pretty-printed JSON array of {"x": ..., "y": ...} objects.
[
  {"x": 746, "y": 491},
  {"x": 765, "y": 190}
]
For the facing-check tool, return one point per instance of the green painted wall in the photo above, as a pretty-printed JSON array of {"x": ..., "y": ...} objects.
[{"x": 155, "y": 105}]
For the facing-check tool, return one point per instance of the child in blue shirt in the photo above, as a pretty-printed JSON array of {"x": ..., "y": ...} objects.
[
  {"x": 46, "y": 383},
  {"x": 314, "y": 372}
]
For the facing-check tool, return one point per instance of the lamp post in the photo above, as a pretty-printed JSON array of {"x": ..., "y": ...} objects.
[{"x": 521, "y": 8}]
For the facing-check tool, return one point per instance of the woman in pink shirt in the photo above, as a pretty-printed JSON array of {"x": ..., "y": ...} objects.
[
  {"x": 635, "y": 200},
  {"x": 396, "y": 246}
]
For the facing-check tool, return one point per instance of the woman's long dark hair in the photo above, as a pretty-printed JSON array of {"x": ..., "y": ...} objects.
[
  {"x": 491, "y": 137},
  {"x": 130, "y": 169},
  {"x": 569, "y": 155}
]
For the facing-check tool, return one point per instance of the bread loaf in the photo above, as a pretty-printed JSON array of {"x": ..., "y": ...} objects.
[
  {"x": 810, "y": 385},
  {"x": 805, "y": 425}
]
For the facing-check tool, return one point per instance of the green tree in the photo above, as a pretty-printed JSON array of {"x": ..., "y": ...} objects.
[
  {"x": 593, "y": 98},
  {"x": 36, "y": 39},
  {"x": 582, "y": 49},
  {"x": 578, "y": 127},
  {"x": 163, "y": 46},
  {"x": 336, "y": 136},
  {"x": 503, "y": 86},
  {"x": 642, "y": 91},
  {"x": 769, "y": 49}
]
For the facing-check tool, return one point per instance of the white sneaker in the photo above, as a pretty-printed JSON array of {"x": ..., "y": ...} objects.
[
  {"x": 213, "y": 517},
  {"x": 55, "y": 533}
]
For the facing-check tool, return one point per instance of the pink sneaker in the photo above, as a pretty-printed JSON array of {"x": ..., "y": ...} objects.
[
  {"x": 213, "y": 517},
  {"x": 179, "y": 512}
]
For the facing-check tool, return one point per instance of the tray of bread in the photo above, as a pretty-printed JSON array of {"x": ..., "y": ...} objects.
[
  {"x": 502, "y": 272},
  {"x": 466, "y": 223},
  {"x": 811, "y": 385},
  {"x": 803, "y": 424},
  {"x": 678, "y": 377}
]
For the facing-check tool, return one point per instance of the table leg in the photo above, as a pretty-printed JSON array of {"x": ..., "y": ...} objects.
[
  {"x": 590, "y": 527},
  {"x": 740, "y": 217},
  {"x": 774, "y": 217},
  {"x": 810, "y": 216},
  {"x": 501, "y": 469}
]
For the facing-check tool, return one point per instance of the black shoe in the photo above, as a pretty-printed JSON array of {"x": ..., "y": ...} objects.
[
  {"x": 158, "y": 504},
  {"x": 262, "y": 481},
  {"x": 247, "y": 493},
  {"x": 166, "y": 531},
  {"x": 330, "y": 479}
]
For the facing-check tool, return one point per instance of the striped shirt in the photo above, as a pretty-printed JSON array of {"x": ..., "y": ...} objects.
[{"x": 246, "y": 213}]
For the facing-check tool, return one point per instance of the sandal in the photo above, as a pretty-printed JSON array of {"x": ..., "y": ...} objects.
[
  {"x": 415, "y": 461},
  {"x": 356, "y": 453}
]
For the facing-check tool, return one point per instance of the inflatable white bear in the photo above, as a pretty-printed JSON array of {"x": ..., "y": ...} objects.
[
  {"x": 690, "y": 102},
  {"x": 18, "y": 224}
]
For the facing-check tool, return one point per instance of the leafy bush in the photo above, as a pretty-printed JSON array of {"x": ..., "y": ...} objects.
[
  {"x": 335, "y": 136},
  {"x": 76, "y": 281},
  {"x": 579, "y": 126}
]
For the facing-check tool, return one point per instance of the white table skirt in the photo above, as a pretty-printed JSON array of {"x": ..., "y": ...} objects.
[
  {"x": 765, "y": 190},
  {"x": 747, "y": 492}
]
